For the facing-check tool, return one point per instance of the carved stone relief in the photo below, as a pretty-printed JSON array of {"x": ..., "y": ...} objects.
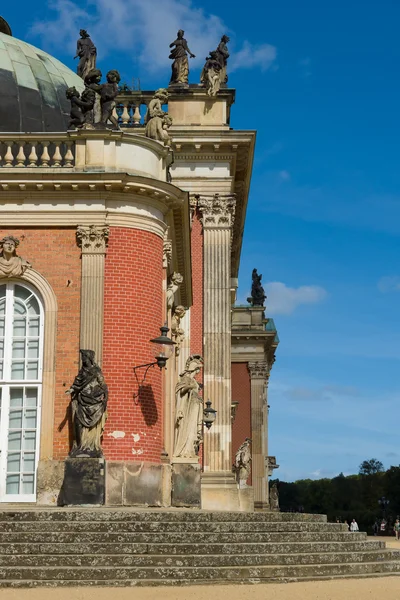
[
  {"x": 217, "y": 211},
  {"x": 93, "y": 239},
  {"x": 178, "y": 334},
  {"x": 242, "y": 466},
  {"x": 167, "y": 250},
  {"x": 11, "y": 265},
  {"x": 258, "y": 370},
  {"x": 175, "y": 281}
]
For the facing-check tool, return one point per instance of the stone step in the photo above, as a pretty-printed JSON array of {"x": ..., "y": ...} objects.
[
  {"x": 170, "y": 527},
  {"x": 148, "y": 515},
  {"x": 129, "y": 575},
  {"x": 66, "y": 549},
  {"x": 177, "y": 538},
  {"x": 209, "y": 560}
]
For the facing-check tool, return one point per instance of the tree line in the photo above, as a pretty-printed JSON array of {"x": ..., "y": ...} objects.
[{"x": 371, "y": 494}]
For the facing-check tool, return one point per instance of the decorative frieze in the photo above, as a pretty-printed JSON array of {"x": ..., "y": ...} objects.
[
  {"x": 93, "y": 239},
  {"x": 217, "y": 211}
]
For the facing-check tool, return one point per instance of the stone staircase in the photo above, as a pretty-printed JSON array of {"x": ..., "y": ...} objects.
[{"x": 130, "y": 547}]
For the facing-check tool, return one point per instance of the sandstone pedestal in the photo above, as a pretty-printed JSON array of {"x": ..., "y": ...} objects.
[
  {"x": 219, "y": 491},
  {"x": 246, "y": 499},
  {"x": 84, "y": 482},
  {"x": 186, "y": 483}
]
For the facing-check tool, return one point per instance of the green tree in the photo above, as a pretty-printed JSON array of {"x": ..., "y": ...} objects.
[{"x": 371, "y": 467}]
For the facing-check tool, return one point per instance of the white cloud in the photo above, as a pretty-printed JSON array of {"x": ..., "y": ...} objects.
[
  {"x": 389, "y": 284},
  {"x": 283, "y": 300},
  {"x": 144, "y": 29},
  {"x": 284, "y": 175}
]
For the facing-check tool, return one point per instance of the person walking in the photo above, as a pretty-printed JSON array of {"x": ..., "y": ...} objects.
[{"x": 354, "y": 526}]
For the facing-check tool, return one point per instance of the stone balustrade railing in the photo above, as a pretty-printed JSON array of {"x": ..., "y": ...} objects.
[
  {"x": 36, "y": 150},
  {"x": 131, "y": 108}
]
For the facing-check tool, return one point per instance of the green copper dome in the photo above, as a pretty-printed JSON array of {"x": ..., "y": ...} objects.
[{"x": 32, "y": 88}]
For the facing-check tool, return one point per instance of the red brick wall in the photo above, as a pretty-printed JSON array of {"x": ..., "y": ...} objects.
[
  {"x": 133, "y": 313},
  {"x": 241, "y": 392},
  {"x": 55, "y": 254}
]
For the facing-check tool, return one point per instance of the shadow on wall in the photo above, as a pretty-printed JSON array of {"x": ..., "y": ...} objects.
[{"x": 148, "y": 405}]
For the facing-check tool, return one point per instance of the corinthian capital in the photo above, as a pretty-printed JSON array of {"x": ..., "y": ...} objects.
[
  {"x": 258, "y": 370},
  {"x": 92, "y": 239},
  {"x": 218, "y": 210}
]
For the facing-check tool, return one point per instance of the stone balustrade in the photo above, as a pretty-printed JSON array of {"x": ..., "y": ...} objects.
[
  {"x": 85, "y": 150},
  {"x": 131, "y": 108}
]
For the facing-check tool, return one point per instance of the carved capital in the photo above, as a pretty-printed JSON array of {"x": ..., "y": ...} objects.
[
  {"x": 92, "y": 239},
  {"x": 258, "y": 370},
  {"x": 167, "y": 250},
  {"x": 217, "y": 211}
]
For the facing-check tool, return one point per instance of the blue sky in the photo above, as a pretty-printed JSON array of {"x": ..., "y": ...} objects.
[{"x": 321, "y": 84}]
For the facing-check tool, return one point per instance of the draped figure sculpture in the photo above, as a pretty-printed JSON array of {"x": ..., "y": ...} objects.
[
  {"x": 180, "y": 66},
  {"x": 86, "y": 52},
  {"x": 157, "y": 120},
  {"x": 242, "y": 466},
  {"x": 189, "y": 410},
  {"x": 89, "y": 395},
  {"x": 11, "y": 265}
]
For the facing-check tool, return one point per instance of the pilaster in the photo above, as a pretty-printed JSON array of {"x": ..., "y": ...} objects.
[
  {"x": 93, "y": 242},
  {"x": 259, "y": 374},
  {"x": 217, "y": 215}
]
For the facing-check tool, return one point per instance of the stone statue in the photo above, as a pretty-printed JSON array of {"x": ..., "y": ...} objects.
[
  {"x": 79, "y": 108},
  {"x": 109, "y": 91},
  {"x": 189, "y": 410},
  {"x": 89, "y": 395},
  {"x": 92, "y": 95},
  {"x": 175, "y": 281},
  {"x": 274, "y": 497},
  {"x": 211, "y": 74},
  {"x": 242, "y": 466},
  {"x": 11, "y": 265},
  {"x": 178, "y": 334},
  {"x": 86, "y": 52},
  {"x": 222, "y": 57},
  {"x": 258, "y": 296},
  {"x": 180, "y": 66},
  {"x": 156, "y": 120}
]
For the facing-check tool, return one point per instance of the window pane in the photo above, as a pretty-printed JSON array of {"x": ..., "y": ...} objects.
[
  {"x": 18, "y": 349},
  {"x": 30, "y": 440},
  {"x": 33, "y": 306},
  {"x": 30, "y": 419},
  {"x": 33, "y": 329},
  {"x": 1, "y": 348},
  {"x": 28, "y": 484},
  {"x": 29, "y": 462},
  {"x": 19, "y": 307},
  {"x": 16, "y": 419},
  {"x": 13, "y": 463},
  {"x": 2, "y": 330},
  {"x": 16, "y": 397},
  {"x": 1, "y": 369},
  {"x": 33, "y": 349},
  {"x": 12, "y": 485},
  {"x": 18, "y": 371},
  {"x": 19, "y": 327},
  {"x": 31, "y": 397},
  {"x": 15, "y": 440},
  {"x": 32, "y": 370},
  {"x": 21, "y": 292}
]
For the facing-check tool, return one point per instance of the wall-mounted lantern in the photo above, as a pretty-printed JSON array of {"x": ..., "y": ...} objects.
[
  {"x": 209, "y": 415},
  {"x": 164, "y": 348}
]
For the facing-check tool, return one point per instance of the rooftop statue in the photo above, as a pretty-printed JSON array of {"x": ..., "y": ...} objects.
[
  {"x": 79, "y": 107},
  {"x": 109, "y": 91},
  {"x": 89, "y": 395},
  {"x": 86, "y": 51},
  {"x": 156, "y": 120},
  {"x": 211, "y": 74},
  {"x": 222, "y": 57},
  {"x": 189, "y": 410},
  {"x": 11, "y": 265},
  {"x": 258, "y": 296},
  {"x": 180, "y": 66}
]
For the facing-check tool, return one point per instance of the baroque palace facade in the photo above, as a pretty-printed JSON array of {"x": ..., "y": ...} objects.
[{"x": 108, "y": 232}]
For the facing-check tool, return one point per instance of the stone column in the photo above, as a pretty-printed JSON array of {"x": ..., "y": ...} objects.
[
  {"x": 259, "y": 373},
  {"x": 219, "y": 491},
  {"x": 93, "y": 242}
]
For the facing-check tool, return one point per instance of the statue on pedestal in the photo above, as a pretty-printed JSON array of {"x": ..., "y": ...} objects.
[
  {"x": 274, "y": 497},
  {"x": 242, "y": 466},
  {"x": 79, "y": 108},
  {"x": 175, "y": 281},
  {"x": 188, "y": 411},
  {"x": 180, "y": 66},
  {"x": 156, "y": 120},
  {"x": 258, "y": 296},
  {"x": 222, "y": 57},
  {"x": 89, "y": 395},
  {"x": 109, "y": 91},
  {"x": 211, "y": 74},
  {"x": 178, "y": 334},
  {"x": 86, "y": 51},
  {"x": 11, "y": 265}
]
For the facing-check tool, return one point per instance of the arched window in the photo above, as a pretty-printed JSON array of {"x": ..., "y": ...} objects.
[{"x": 21, "y": 351}]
